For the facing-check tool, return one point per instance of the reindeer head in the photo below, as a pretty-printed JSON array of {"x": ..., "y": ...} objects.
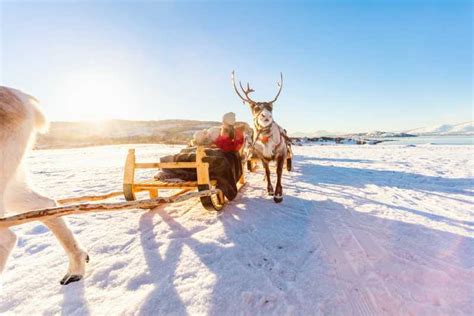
[{"x": 262, "y": 111}]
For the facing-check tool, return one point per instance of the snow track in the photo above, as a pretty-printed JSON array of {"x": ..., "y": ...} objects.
[{"x": 362, "y": 230}]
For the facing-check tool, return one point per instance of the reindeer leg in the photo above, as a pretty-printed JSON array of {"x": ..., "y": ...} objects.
[
  {"x": 7, "y": 240},
  {"x": 77, "y": 256},
  {"x": 7, "y": 237},
  {"x": 7, "y": 243},
  {"x": 267, "y": 176},
  {"x": 279, "y": 189},
  {"x": 20, "y": 198},
  {"x": 8, "y": 165}
]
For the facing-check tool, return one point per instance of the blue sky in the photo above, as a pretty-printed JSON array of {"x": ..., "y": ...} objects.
[{"x": 347, "y": 65}]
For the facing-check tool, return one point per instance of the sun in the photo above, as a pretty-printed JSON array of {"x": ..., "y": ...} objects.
[{"x": 94, "y": 96}]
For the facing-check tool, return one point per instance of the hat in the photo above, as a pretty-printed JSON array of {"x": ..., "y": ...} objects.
[{"x": 229, "y": 118}]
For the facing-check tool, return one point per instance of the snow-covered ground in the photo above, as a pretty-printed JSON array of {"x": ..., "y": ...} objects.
[{"x": 363, "y": 230}]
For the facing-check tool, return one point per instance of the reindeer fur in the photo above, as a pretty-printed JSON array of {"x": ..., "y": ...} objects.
[{"x": 20, "y": 118}]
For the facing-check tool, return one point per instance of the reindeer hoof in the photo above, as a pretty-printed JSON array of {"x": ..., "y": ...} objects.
[
  {"x": 271, "y": 193},
  {"x": 69, "y": 278},
  {"x": 278, "y": 199}
]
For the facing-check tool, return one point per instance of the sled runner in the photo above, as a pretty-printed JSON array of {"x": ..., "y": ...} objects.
[{"x": 204, "y": 188}]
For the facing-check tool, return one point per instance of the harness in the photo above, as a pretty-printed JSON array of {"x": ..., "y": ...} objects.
[
  {"x": 264, "y": 130},
  {"x": 265, "y": 139}
]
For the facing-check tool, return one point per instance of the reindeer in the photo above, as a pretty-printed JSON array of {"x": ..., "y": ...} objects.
[
  {"x": 270, "y": 142},
  {"x": 20, "y": 118}
]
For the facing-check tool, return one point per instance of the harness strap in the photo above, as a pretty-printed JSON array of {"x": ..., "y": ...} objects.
[
  {"x": 252, "y": 147},
  {"x": 283, "y": 137}
]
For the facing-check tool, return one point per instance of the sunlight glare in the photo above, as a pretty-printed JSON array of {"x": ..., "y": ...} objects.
[{"x": 94, "y": 96}]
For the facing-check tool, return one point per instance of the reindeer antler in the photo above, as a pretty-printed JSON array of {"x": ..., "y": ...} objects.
[
  {"x": 280, "y": 85},
  {"x": 250, "y": 90},
  {"x": 245, "y": 91}
]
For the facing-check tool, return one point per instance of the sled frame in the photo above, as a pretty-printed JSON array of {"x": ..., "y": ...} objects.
[{"x": 214, "y": 202}]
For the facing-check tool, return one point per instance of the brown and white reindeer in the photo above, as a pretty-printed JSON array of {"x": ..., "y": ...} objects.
[
  {"x": 20, "y": 118},
  {"x": 270, "y": 142}
]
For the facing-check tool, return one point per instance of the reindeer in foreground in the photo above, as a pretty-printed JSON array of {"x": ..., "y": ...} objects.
[
  {"x": 20, "y": 118},
  {"x": 270, "y": 141}
]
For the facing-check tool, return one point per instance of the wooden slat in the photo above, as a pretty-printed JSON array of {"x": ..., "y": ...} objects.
[
  {"x": 144, "y": 186},
  {"x": 164, "y": 184},
  {"x": 165, "y": 165},
  {"x": 48, "y": 213},
  {"x": 180, "y": 192},
  {"x": 129, "y": 170},
  {"x": 202, "y": 168},
  {"x": 129, "y": 176}
]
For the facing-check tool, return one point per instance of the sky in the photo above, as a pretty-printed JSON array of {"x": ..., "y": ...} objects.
[{"x": 348, "y": 66}]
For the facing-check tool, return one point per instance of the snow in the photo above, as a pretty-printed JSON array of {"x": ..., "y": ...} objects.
[{"x": 362, "y": 230}]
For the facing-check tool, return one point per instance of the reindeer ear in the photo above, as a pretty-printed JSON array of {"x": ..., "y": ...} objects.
[{"x": 256, "y": 108}]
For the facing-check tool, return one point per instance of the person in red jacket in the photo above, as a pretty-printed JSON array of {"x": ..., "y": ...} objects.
[{"x": 230, "y": 138}]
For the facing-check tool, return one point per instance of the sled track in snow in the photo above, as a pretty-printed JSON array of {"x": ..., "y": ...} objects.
[{"x": 361, "y": 299}]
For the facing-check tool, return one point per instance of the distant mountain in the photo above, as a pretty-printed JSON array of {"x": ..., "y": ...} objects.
[
  {"x": 466, "y": 128},
  {"x": 373, "y": 134},
  {"x": 312, "y": 134},
  {"x": 381, "y": 134},
  {"x": 80, "y": 134},
  {"x": 124, "y": 128}
]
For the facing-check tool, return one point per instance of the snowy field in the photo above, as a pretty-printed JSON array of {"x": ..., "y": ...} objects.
[{"x": 362, "y": 230}]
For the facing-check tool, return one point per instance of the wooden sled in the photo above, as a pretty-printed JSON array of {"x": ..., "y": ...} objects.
[
  {"x": 213, "y": 202},
  {"x": 205, "y": 189}
]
